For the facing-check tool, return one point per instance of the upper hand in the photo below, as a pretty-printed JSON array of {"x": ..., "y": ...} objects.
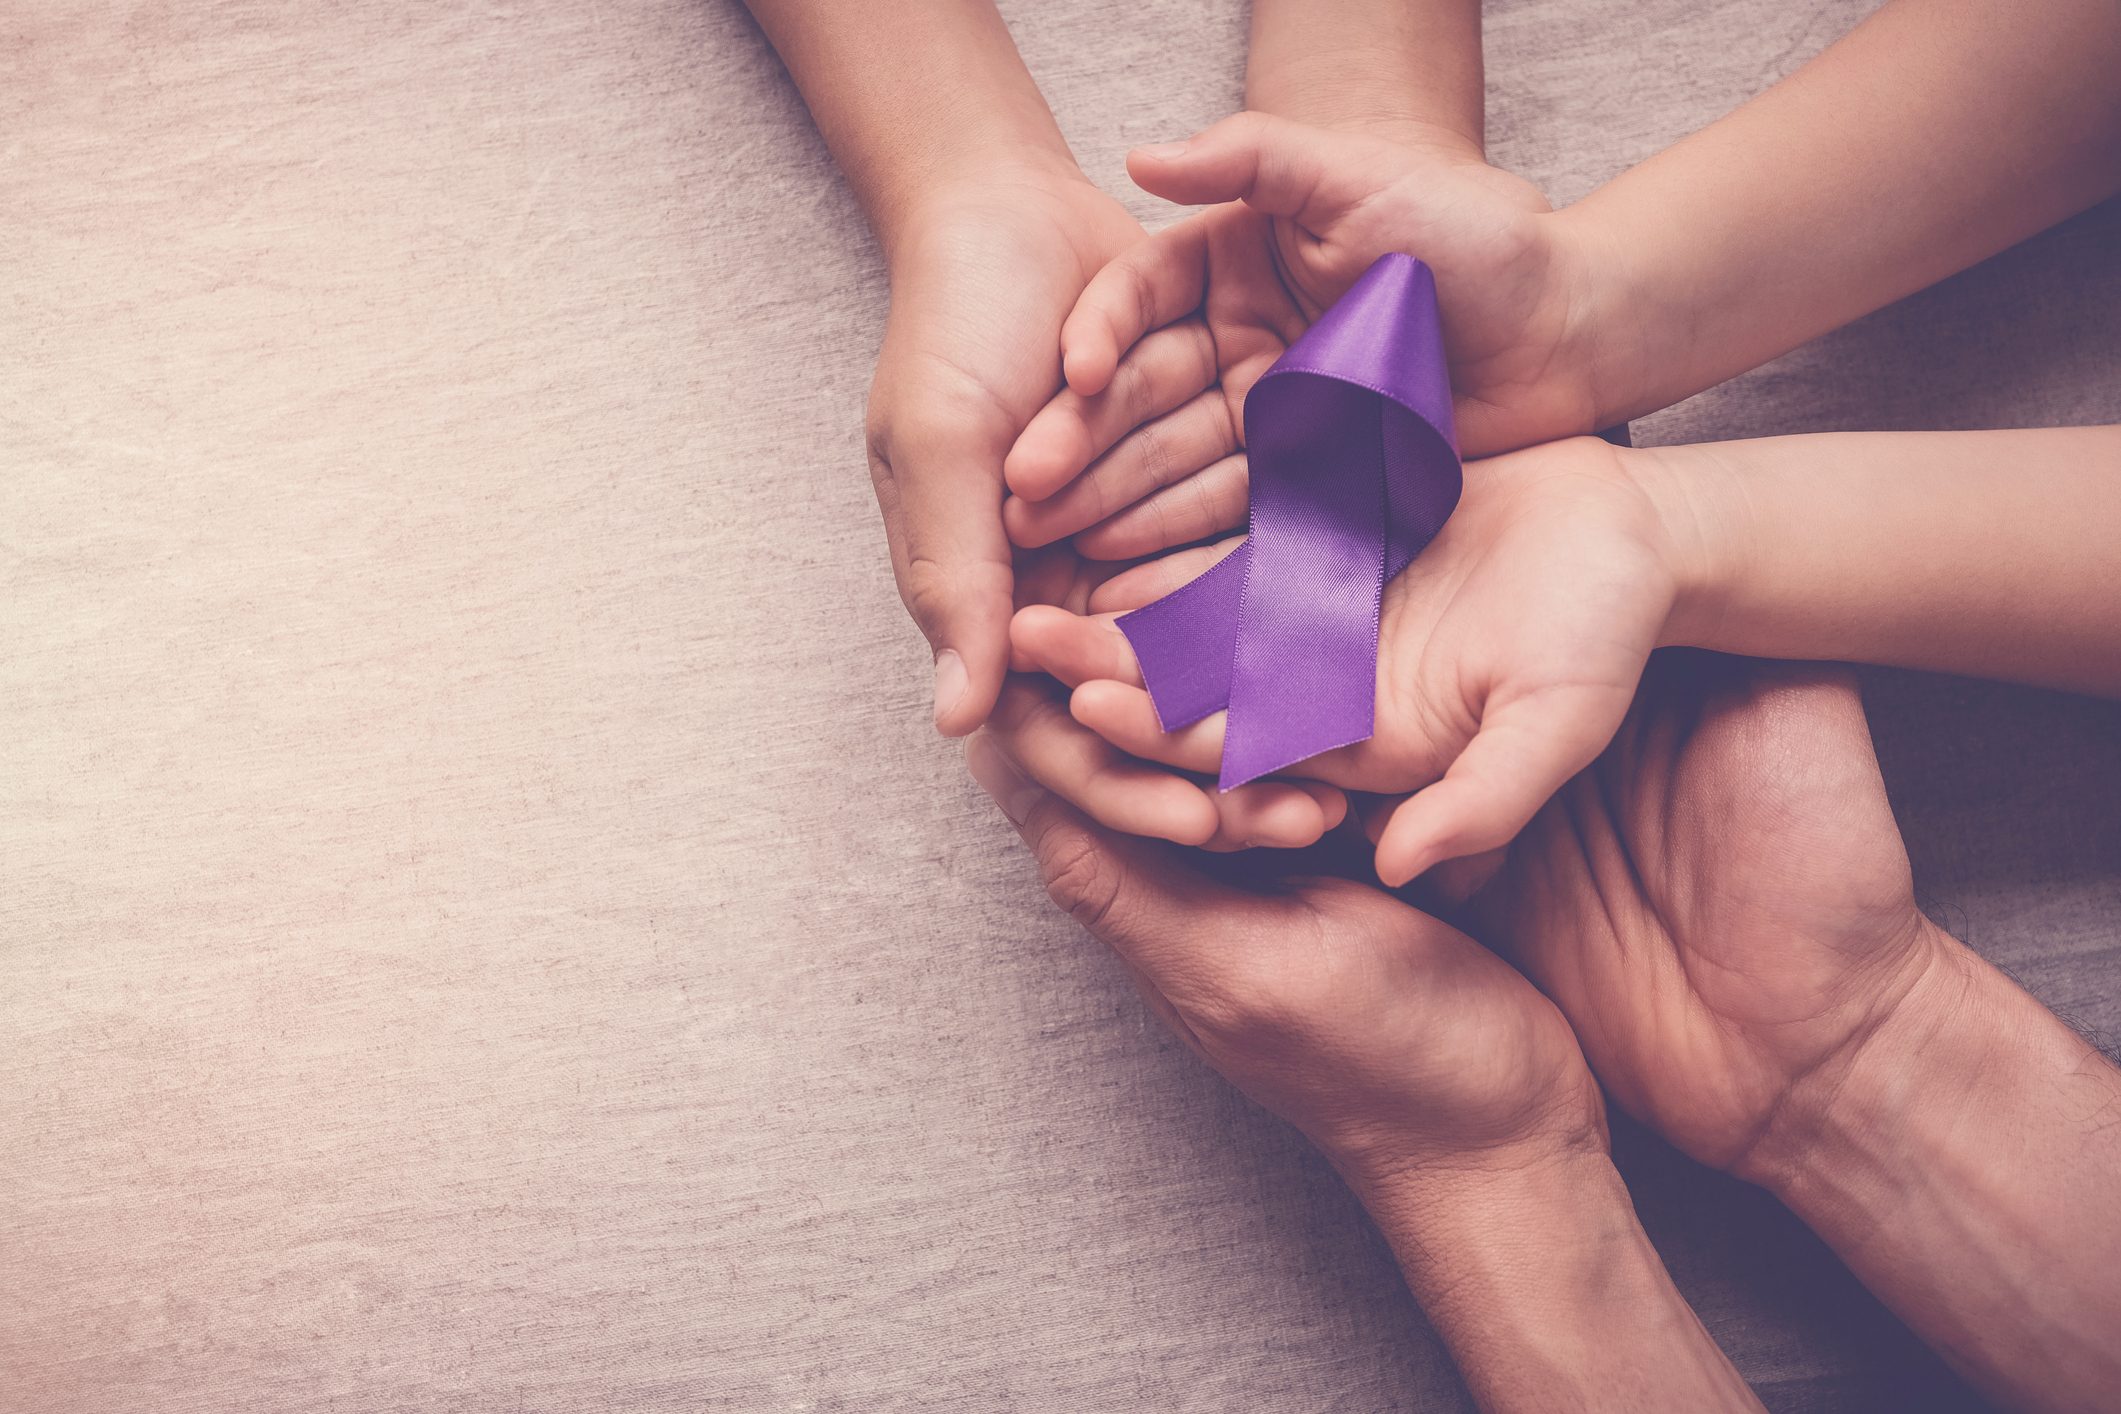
[{"x": 1167, "y": 340}]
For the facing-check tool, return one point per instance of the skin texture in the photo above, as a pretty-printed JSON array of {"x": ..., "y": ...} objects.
[
  {"x": 1446, "y": 1089},
  {"x": 1723, "y": 909}
]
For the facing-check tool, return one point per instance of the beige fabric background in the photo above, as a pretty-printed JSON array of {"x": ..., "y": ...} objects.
[{"x": 484, "y": 923}]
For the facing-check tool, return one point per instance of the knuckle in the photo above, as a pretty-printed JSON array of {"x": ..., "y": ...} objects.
[
  {"x": 1144, "y": 295},
  {"x": 1083, "y": 880},
  {"x": 1207, "y": 506},
  {"x": 1152, "y": 453},
  {"x": 1167, "y": 527},
  {"x": 926, "y": 587}
]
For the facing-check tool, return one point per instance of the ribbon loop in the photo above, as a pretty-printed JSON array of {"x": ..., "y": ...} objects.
[{"x": 1354, "y": 468}]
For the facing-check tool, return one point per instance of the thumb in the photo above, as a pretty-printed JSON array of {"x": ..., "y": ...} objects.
[
  {"x": 951, "y": 556},
  {"x": 1524, "y": 752},
  {"x": 1271, "y": 164}
]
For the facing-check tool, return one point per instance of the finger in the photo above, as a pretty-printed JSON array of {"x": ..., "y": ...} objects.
[
  {"x": 1058, "y": 575},
  {"x": 1279, "y": 814},
  {"x": 941, "y": 503},
  {"x": 1375, "y": 812},
  {"x": 1155, "y": 455},
  {"x": 1125, "y": 717},
  {"x": 1162, "y": 372},
  {"x": 1212, "y": 500},
  {"x": 1073, "y": 647},
  {"x": 1144, "y": 584},
  {"x": 1270, "y": 164},
  {"x": 1523, "y": 752},
  {"x": 1117, "y": 791},
  {"x": 1153, "y": 283},
  {"x": 1276, "y": 814}
]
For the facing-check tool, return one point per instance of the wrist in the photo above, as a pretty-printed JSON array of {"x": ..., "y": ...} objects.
[
  {"x": 1961, "y": 1160},
  {"x": 929, "y": 198},
  {"x": 1410, "y": 74},
  {"x": 1360, "y": 89},
  {"x": 1928, "y": 1055},
  {"x": 1701, "y": 509},
  {"x": 915, "y": 98},
  {"x": 1540, "y": 1279},
  {"x": 1618, "y": 332}
]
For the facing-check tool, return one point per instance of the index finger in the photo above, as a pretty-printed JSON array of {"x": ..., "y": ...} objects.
[{"x": 1153, "y": 283}]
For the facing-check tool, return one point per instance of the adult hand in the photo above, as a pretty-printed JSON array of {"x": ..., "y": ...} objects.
[
  {"x": 983, "y": 272},
  {"x": 1392, "y": 1040},
  {"x": 1444, "y": 1087},
  {"x": 1721, "y": 905},
  {"x": 1723, "y": 908}
]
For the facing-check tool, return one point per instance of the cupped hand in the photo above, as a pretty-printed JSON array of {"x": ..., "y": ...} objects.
[
  {"x": 1399, "y": 1045},
  {"x": 982, "y": 276},
  {"x": 1722, "y": 905},
  {"x": 1139, "y": 451},
  {"x": 1031, "y": 722},
  {"x": 1508, "y": 651}
]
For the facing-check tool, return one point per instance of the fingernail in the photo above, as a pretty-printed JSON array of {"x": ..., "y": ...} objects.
[
  {"x": 952, "y": 682},
  {"x": 997, "y": 775},
  {"x": 1162, "y": 151}
]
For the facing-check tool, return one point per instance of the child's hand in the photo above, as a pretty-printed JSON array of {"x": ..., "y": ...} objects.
[
  {"x": 1167, "y": 339},
  {"x": 1508, "y": 651}
]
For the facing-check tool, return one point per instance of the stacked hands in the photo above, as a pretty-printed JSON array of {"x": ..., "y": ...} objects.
[{"x": 1679, "y": 864}]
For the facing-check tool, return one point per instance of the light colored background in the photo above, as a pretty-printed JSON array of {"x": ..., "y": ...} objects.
[{"x": 484, "y": 923}]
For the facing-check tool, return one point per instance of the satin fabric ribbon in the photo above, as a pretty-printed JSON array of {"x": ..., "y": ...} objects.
[{"x": 1354, "y": 468}]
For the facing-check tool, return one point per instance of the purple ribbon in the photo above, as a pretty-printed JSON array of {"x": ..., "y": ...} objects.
[{"x": 1354, "y": 469}]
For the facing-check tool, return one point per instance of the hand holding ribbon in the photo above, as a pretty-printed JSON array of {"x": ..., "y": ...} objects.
[{"x": 1353, "y": 470}]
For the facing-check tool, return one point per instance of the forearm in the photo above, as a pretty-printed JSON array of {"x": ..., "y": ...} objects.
[
  {"x": 1548, "y": 1293},
  {"x": 1966, "y": 1164},
  {"x": 1987, "y": 553},
  {"x": 909, "y": 97},
  {"x": 1935, "y": 134},
  {"x": 1404, "y": 70}
]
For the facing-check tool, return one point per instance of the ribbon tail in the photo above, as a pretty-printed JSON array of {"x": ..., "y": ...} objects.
[{"x": 1185, "y": 642}]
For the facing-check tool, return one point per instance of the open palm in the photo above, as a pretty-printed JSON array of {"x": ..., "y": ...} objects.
[
  {"x": 1722, "y": 905},
  {"x": 1508, "y": 653}
]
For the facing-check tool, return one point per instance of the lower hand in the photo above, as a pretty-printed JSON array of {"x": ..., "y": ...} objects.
[
  {"x": 1722, "y": 905},
  {"x": 1445, "y": 1089},
  {"x": 1396, "y": 1043}
]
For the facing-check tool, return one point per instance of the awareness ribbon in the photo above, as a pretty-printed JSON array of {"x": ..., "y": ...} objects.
[{"x": 1354, "y": 468}]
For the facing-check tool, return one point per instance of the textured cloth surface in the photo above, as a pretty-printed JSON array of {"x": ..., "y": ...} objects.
[{"x": 484, "y": 922}]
